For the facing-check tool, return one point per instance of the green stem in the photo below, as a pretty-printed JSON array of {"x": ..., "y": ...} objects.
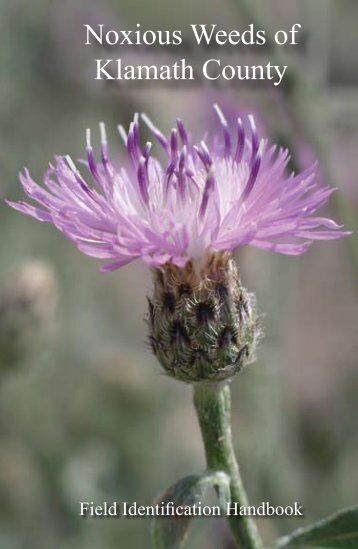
[{"x": 213, "y": 406}]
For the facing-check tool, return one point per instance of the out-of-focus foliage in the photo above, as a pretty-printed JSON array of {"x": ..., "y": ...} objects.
[
  {"x": 91, "y": 417},
  {"x": 28, "y": 299}
]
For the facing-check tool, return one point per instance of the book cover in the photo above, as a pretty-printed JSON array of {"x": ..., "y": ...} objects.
[{"x": 178, "y": 276}]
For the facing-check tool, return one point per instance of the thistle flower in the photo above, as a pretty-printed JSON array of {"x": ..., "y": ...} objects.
[{"x": 184, "y": 217}]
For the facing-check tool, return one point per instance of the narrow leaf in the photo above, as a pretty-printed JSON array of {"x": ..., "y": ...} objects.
[
  {"x": 338, "y": 531},
  {"x": 169, "y": 531}
]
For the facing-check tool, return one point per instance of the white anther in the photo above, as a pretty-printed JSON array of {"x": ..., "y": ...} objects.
[{"x": 102, "y": 129}]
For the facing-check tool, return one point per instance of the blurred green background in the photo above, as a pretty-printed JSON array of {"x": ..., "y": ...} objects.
[{"x": 85, "y": 413}]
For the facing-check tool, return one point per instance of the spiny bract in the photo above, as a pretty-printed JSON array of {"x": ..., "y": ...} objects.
[{"x": 203, "y": 325}]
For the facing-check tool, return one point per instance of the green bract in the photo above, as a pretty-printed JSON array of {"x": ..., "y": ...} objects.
[{"x": 203, "y": 323}]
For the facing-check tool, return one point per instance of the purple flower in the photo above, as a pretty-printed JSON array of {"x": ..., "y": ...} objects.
[{"x": 219, "y": 194}]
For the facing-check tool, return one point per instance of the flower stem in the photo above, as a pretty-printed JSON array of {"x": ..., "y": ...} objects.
[{"x": 213, "y": 406}]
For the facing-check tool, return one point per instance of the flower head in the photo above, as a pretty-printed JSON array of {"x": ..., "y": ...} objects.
[{"x": 217, "y": 194}]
